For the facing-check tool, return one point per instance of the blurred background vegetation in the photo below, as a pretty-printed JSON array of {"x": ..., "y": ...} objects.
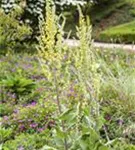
[{"x": 104, "y": 15}]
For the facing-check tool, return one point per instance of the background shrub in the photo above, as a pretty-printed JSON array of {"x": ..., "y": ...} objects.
[{"x": 12, "y": 32}]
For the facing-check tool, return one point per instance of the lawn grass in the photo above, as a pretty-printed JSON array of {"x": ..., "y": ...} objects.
[{"x": 122, "y": 33}]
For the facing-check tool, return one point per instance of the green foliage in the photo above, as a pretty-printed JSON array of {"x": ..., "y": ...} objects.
[
  {"x": 80, "y": 130},
  {"x": 17, "y": 85},
  {"x": 114, "y": 63},
  {"x": 120, "y": 144},
  {"x": 132, "y": 12},
  {"x": 117, "y": 91},
  {"x": 32, "y": 118},
  {"x": 123, "y": 87},
  {"x": 25, "y": 141},
  {"x": 122, "y": 33},
  {"x": 11, "y": 31},
  {"x": 99, "y": 12},
  {"x": 5, "y": 134},
  {"x": 6, "y": 109},
  {"x": 89, "y": 140}
]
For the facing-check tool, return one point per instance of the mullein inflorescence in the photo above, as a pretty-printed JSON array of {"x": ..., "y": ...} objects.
[
  {"x": 50, "y": 50},
  {"x": 85, "y": 64}
]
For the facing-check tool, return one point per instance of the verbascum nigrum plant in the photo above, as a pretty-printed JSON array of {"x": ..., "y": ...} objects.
[
  {"x": 80, "y": 64},
  {"x": 52, "y": 56},
  {"x": 85, "y": 65},
  {"x": 52, "y": 51}
]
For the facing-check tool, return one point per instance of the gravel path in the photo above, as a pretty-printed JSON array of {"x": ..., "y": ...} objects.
[{"x": 129, "y": 47}]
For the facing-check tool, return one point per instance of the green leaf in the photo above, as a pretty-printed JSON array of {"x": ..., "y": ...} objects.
[
  {"x": 69, "y": 116},
  {"x": 48, "y": 148},
  {"x": 103, "y": 148},
  {"x": 1, "y": 146},
  {"x": 20, "y": 89}
]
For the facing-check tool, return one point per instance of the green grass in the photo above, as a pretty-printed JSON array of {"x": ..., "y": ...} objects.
[{"x": 122, "y": 33}]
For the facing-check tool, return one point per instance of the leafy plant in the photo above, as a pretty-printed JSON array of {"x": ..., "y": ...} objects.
[
  {"x": 25, "y": 141},
  {"x": 6, "y": 109},
  {"x": 72, "y": 122},
  {"x": 31, "y": 118},
  {"x": 5, "y": 134},
  {"x": 18, "y": 85}
]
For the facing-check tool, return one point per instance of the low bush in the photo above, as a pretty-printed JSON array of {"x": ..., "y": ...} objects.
[
  {"x": 25, "y": 142},
  {"x": 124, "y": 33},
  {"x": 31, "y": 118},
  {"x": 17, "y": 86}
]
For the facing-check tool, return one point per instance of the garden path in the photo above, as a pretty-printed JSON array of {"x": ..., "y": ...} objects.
[{"x": 129, "y": 47}]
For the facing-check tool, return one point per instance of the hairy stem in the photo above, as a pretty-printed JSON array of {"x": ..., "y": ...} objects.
[{"x": 59, "y": 108}]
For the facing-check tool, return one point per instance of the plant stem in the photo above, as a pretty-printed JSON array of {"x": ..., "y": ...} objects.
[{"x": 59, "y": 109}]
